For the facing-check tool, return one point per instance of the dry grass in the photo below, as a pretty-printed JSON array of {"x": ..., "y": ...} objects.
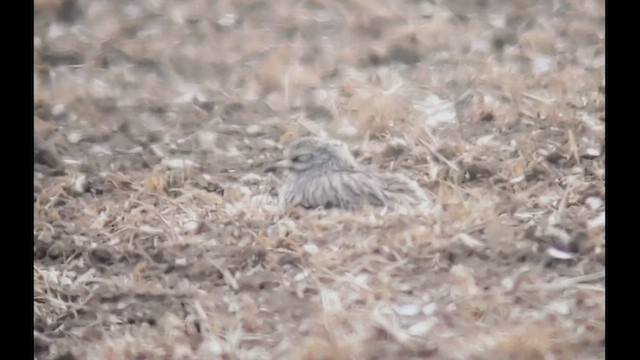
[{"x": 157, "y": 234}]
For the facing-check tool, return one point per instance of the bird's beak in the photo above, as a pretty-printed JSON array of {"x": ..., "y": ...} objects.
[{"x": 282, "y": 164}]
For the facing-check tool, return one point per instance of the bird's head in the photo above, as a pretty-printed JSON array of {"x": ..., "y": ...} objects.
[{"x": 310, "y": 153}]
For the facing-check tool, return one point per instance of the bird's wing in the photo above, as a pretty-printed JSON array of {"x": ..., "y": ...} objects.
[{"x": 346, "y": 189}]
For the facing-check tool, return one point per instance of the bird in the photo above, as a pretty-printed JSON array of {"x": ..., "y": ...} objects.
[{"x": 324, "y": 174}]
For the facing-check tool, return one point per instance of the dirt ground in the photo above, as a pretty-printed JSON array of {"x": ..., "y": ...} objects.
[{"x": 157, "y": 234}]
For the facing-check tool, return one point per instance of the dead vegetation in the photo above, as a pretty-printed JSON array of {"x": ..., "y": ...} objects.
[{"x": 157, "y": 234}]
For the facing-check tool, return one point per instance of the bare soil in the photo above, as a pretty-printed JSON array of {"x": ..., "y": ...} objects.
[{"x": 157, "y": 234}]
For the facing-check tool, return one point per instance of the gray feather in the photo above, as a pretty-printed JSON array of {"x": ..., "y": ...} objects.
[{"x": 325, "y": 174}]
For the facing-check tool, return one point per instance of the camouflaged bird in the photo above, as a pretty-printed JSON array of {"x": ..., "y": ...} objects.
[{"x": 325, "y": 174}]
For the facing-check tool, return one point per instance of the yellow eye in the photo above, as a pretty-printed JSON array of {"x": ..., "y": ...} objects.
[{"x": 302, "y": 158}]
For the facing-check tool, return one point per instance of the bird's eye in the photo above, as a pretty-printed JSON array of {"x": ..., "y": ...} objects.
[{"x": 302, "y": 158}]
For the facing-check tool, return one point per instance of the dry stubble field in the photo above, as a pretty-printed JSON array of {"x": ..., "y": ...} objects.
[{"x": 156, "y": 232}]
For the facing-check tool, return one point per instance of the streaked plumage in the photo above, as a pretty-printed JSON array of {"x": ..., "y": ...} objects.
[{"x": 325, "y": 174}]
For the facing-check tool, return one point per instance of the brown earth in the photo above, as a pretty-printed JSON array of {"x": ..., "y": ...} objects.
[{"x": 156, "y": 231}]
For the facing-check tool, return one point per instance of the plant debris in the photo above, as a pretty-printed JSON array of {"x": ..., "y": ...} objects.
[{"x": 157, "y": 234}]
